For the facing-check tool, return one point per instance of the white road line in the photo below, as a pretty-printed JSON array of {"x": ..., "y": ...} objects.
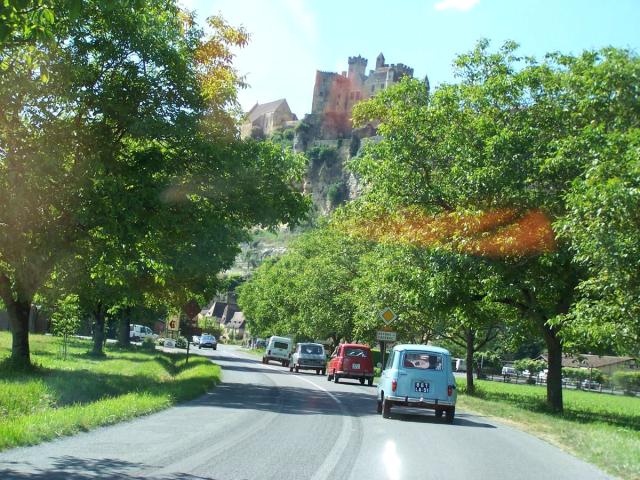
[{"x": 340, "y": 446}]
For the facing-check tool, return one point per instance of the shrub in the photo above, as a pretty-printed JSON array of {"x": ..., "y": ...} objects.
[
  {"x": 337, "y": 193},
  {"x": 148, "y": 344},
  {"x": 628, "y": 381},
  {"x": 160, "y": 342},
  {"x": 181, "y": 342}
]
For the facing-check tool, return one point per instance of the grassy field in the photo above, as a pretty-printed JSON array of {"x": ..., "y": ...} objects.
[
  {"x": 602, "y": 429},
  {"x": 62, "y": 397}
]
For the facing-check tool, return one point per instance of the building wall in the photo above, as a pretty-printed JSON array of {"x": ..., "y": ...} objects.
[{"x": 335, "y": 95}]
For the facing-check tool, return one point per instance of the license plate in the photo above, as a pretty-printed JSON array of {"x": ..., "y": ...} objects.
[
  {"x": 422, "y": 387},
  {"x": 355, "y": 366}
]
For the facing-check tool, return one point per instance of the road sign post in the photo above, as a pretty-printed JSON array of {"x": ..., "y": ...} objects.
[{"x": 383, "y": 336}]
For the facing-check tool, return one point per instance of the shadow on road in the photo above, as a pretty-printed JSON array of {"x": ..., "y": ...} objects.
[
  {"x": 428, "y": 416},
  {"x": 73, "y": 468}
]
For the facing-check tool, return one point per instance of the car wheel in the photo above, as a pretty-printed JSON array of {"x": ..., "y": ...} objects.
[
  {"x": 450, "y": 415},
  {"x": 324, "y": 371},
  {"x": 329, "y": 377},
  {"x": 290, "y": 368},
  {"x": 438, "y": 413},
  {"x": 284, "y": 364},
  {"x": 317, "y": 371},
  {"x": 370, "y": 382},
  {"x": 215, "y": 348},
  {"x": 386, "y": 408},
  {"x": 336, "y": 378},
  {"x": 296, "y": 368},
  {"x": 362, "y": 381},
  {"x": 379, "y": 406},
  {"x": 199, "y": 347}
]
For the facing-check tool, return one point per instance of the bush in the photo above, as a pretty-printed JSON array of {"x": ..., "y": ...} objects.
[
  {"x": 149, "y": 344},
  {"x": 181, "y": 342},
  {"x": 322, "y": 155},
  {"x": 628, "y": 381},
  {"x": 160, "y": 342},
  {"x": 337, "y": 193}
]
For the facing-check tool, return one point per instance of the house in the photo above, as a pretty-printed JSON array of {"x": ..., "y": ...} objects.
[
  {"x": 263, "y": 120},
  {"x": 235, "y": 327},
  {"x": 607, "y": 364}
]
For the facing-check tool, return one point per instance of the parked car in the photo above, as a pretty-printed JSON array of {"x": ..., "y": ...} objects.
[
  {"x": 195, "y": 340},
  {"x": 260, "y": 343},
  {"x": 590, "y": 384},
  {"x": 509, "y": 371},
  {"x": 140, "y": 332},
  {"x": 208, "y": 341},
  {"x": 418, "y": 376},
  {"x": 279, "y": 349},
  {"x": 542, "y": 376},
  {"x": 308, "y": 356},
  {"x": 351, "y": 360}
]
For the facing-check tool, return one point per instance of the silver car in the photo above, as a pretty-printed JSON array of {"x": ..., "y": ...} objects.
[{"x": 308, "y": 356}]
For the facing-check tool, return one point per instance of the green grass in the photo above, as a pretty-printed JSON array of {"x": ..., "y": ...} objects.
[
  {"x": 601, "y": 429},
  {"x": 62, "y": 397}
]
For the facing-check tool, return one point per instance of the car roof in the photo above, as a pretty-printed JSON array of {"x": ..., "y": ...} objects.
[
  {"x": 421, "y": 348},
  {"x": 275, "y": 337},
  {"x": 310, "y": 343},
  {"x": 357, "y": 345}
]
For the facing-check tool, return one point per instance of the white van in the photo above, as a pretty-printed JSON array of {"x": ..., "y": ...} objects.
[
  {"x": 278, "y": 349},
  {"x": 140, "y": 332}
]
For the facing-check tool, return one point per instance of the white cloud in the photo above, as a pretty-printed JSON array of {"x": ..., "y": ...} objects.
[{"x": 460, "y": 5}]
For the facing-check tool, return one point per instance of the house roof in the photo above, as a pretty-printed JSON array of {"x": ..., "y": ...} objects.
[
  {"x": 229, "y": 311},
  {"x": 237, "y": 321},
  {"x": 258, "y": 110},
  {"x": 590, "y": 361}
]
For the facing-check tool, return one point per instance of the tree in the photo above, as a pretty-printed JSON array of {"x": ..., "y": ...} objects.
[
  {"x": 65, "y": 321},
  {"x": 127, "y": 159},
  {"x": 490, "y": 163}
]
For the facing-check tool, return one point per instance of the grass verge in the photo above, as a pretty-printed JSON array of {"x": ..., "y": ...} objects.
[
  {"x": 601, "y": 429},
  {"x": 62, "y": 397}
]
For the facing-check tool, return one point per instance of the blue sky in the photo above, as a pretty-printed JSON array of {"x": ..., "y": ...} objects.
[{"x": 291, "y": 39}]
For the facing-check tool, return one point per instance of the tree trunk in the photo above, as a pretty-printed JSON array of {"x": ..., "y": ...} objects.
[
  {"x": 554, "y": 364},
  {"x": 470, "y": 338},
  {"x": 98, "y": 331},
  {"x": 124, "y": 339},
  {"x": 18, "y": 312}
]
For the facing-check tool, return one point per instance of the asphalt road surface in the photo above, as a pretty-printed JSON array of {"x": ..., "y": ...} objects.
[{"x": 263, "y": 422}]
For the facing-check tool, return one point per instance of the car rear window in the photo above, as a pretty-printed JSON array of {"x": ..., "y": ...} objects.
[
  {"x": 423, "y": 361},
  {"x": 281, "y": 345},
  {"x": 206, "y": 338},
  {"x": 311, "y": 349},
  {"x": 356, "y": 352}
]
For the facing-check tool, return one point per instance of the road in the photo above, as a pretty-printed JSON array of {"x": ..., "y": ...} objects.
[{"x": 263, "y": 422}]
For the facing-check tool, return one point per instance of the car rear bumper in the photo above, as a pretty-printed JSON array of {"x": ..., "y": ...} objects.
[
  {"x": 420, "y": 403},
  {"x": 353, "y": 374}
]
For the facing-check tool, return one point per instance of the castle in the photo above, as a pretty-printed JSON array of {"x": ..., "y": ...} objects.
[{"x": 334, "y": 94}]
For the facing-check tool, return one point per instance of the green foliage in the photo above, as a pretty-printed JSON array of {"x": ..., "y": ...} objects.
[
  {"x": 65, "y": 321},
  {"x": 148, "y": 344},
  {"x": 322, "y": 155},
  {"x": 181, "y": 342},
  {"x": 628, "y": 381},
  {"x": 337, "y": 193},
  {"x": 141, "y": 174}
]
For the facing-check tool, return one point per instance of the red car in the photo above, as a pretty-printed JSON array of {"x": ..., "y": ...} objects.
[{"x": 351, "y": 360}]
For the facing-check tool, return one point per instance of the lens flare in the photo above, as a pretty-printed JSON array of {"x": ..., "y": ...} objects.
[{"x": 496, "y": 233}]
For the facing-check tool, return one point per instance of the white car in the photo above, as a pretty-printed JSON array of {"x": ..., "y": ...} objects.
[
  {"x": 140, "y": 332},
  {"x": 278, "y": 349}
]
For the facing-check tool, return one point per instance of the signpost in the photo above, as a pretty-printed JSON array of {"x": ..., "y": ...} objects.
[{"x": 386, "y": 335}]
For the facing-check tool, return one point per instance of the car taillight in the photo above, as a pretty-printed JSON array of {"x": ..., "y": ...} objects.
[
  {"x": 394, "y": 385},
  {"x": 450, "y": 390}
]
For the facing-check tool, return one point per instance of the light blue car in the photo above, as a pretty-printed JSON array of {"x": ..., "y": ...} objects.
[{"x": 418, "y": 376}]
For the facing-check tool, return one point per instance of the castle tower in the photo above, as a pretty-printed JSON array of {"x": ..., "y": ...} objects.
[
  {"x": 357, "y": 68},
  {"x": 380, "y": 61}
]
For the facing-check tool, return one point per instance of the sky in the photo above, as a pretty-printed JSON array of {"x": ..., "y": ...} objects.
[{"x": 291, "y": 39}]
